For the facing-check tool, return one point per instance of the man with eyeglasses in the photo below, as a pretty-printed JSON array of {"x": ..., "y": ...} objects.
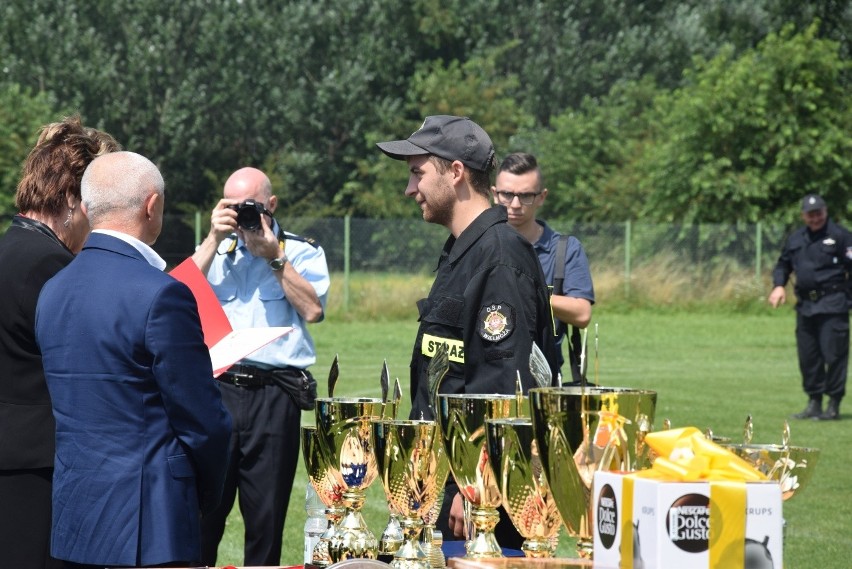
[
  {"x": 262, "y": 276},
  {"x": 489, "y": 302},
  {"x": 519, "y": 188}
]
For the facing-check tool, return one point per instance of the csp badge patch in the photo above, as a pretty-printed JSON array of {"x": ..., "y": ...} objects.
[{"x": 496, "y": 321}]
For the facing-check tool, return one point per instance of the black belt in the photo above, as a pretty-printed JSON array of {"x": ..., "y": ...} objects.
[
  {"x": 817, "y": 293},
  {"x": 248, "y": 376}
]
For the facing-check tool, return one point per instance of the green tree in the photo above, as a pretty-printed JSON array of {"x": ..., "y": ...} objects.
[
  {"x": 21, "y": 115},
  {"x": 746, "y": 137},
  {"x": 470, "y": 89},
  {"x": 588, "y": 156},
  {"x": 205, "y": 87}
]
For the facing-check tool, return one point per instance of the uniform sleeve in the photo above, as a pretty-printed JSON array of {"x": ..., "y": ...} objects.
[
  {"x": 310, "y": 263},
  {"x": 784, "y": 266},
  {"x": 184, "y": 375},
  {"x": 577, "y": 281},
  {"x": 500, "y": 324},
  {"x": 847, "y": 253}
]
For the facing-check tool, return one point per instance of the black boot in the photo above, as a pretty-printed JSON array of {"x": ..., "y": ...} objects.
[
  {"x": 812, "y": 411},
  {"x": 832, "y": 411}
]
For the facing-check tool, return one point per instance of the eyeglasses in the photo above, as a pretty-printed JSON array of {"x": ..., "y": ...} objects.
[{"x": 506, "y": 198}]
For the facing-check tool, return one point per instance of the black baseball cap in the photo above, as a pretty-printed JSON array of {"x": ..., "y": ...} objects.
[
  {"x": 812, "y": 202},
  {"x": 448, "y": 137}
]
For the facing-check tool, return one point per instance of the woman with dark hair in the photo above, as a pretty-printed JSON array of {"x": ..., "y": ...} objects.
[{"x": 44, "y": 236}]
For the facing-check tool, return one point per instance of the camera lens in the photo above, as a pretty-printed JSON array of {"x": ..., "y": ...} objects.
[{"x": 248, "y": 215}]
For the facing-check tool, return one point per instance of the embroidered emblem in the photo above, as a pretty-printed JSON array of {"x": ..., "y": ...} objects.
[
  {"x": 496, "y": 322},
  {"x": 828, "y": 241}
]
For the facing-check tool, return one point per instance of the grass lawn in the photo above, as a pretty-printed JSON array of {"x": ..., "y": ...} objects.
[{"x": 709, "y": 369}]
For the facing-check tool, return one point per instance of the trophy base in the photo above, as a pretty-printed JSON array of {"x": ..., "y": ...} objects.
[
  {"x": 539, "y": 548},
  {"x": 483, "y": 546},
  {"x": 585, "y": 548}
]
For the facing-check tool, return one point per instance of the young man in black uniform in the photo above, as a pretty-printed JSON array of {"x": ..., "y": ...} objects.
[
  {"x": 821, "y": 256},
  {"x": 489, "y": 302}
]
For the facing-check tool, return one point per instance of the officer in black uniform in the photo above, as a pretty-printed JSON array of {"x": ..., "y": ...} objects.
[
  {"x": 821, "y": 256},
  {"x": 489, "y": 302}
]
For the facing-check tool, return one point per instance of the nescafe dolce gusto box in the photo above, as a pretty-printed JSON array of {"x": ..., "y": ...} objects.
[{"x": 669, "y": 525}]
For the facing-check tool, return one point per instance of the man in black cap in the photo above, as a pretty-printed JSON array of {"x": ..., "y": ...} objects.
[
  {"x": 821, "y": 256},
  {"x": 489, "y": 302}
]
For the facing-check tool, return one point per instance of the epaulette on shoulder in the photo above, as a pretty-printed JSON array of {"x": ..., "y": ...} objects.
[{"x": 309, "y": 240}]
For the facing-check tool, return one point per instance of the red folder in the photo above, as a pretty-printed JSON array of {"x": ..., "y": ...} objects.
[{"x": 227, "y": 346}]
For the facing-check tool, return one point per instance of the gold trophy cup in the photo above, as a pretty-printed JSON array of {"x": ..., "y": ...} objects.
[
  {"x": 580, "y": 430},
  {"x": 345, "y": 441},
  {"x": 462, "y": 421},
  {"x": 790, "y": 466},
  {"x": 514, "y": 457},
  {"x": 330, "y": 494},
  {"x": 413, "y": 469}
]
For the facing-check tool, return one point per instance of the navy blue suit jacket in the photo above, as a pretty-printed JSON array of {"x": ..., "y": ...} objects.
[{"x": 141, "y": 432}]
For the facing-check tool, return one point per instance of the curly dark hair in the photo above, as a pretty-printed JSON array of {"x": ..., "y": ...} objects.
[{"x": 55, "y": 166}]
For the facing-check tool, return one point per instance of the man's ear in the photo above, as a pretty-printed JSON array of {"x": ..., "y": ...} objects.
[
  {"x": 151, "y": 204},
  {"x": 273, "y": 203},
  {"x": 457, "y": 169}
]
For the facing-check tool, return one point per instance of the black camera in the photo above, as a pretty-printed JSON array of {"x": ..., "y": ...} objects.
[{"x": 248, "y": 215}]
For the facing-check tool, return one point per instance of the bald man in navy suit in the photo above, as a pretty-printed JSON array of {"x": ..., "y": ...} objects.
[{"x": 141, "y": 432}]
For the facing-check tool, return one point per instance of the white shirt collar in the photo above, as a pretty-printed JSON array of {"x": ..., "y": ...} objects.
[{"x": 150, "y": 255}]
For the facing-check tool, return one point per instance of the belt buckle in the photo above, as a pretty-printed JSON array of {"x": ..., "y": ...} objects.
[
  {"x": 241, "y": 379},
  {"x": 813, "y": 295}
]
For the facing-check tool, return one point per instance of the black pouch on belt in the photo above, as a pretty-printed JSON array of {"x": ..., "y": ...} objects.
[{"x": 299, "y": 384}]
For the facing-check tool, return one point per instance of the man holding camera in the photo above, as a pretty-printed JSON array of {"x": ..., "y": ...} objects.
[{"x": 263, "y": 276}]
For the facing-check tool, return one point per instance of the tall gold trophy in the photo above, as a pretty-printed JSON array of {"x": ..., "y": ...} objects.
[
  {"x": 330, "y": 493},
  {"x": 413, "y": 469},
  {"x": 580, "y": 430},
  {"x": 345, "y": 441},
  {"x": 392, "y": 537},
  {"x": 514, "y": 457},
  {"x": 462, "y": 422}
]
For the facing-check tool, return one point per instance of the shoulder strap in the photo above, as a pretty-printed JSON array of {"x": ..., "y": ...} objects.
[
  {"x": 559, "y": 262},
  {"x": 575, "y": 342}
]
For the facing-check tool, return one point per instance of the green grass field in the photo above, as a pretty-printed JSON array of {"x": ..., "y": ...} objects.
[{"x": 709, "y": 369}]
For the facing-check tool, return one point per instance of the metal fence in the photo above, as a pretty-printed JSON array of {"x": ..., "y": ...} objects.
[{"x": 412, "y": 246}]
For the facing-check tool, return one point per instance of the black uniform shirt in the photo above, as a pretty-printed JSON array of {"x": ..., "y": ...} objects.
[
  {"x": 489, "y": 303},
  {"x": 822, "y": 261}
]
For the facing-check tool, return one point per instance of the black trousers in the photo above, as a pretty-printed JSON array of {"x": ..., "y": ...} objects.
[
  {"x": 25, "y": 506},
  {"x": 264, "y": 453},
  {"x": 823, "y": 346}
]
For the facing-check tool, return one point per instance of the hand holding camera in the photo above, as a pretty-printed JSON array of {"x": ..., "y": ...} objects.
[
  {"x": 255, "y": 225},
  {"x": 251, "y": 220},
  {"x": 249, "y": 215}
]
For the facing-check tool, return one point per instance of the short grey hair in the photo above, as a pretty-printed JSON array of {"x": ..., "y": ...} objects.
[{"x": 116, "y": 185}]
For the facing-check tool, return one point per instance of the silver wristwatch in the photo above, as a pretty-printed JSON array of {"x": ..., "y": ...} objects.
[{"x": 277, "y": 264}]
